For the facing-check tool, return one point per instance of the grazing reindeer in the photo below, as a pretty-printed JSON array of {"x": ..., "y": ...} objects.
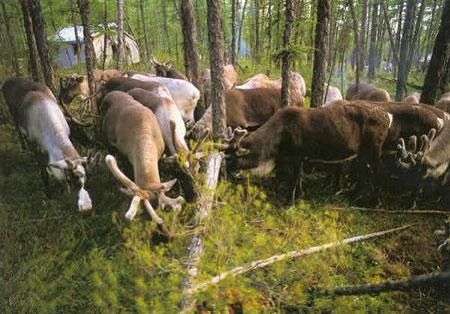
[
  {"x": 332, "y": 134},
  {"x": 40, "y": 120},
  {"x": 132, "y": 128}
]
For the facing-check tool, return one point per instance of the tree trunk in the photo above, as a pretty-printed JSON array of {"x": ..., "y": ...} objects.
[
  {"x": 34, "y": 60},
  {"x": 391, "y": 36},
  {"x": 75, "y": 29},
  {"x": 89, "y": 52},
  {"x": 415, "y": 42},
  {"x": 233, "y": 31},
  {"x": 269, "y": 37},
  {"x": 12, "y": 44},
  {"x": 285, "y": 57},
  {"x": 398, "y": 36},
  {"x": 323, "y": 17},
  {"x": 190, "y": 45},
  {"x": 364, "y": 23},
  {"x": 42, "y": 44},
  {"x": 429, "y": 34},
  {"x": 446, "y": 78},
  {"x": 241, "y": 25},
  {"x": 165, "y": 26},
  {"x": 105, "y": 38},
  {"x": 436, "y": 69},
  {"x": 256, "y": 30},
  {"x": 403, "y": 66},
  {"x": 358, "y": 49},
  {"x": 144, "y": 28},
  {"x": 120, "y": 37},
  {"x": 373, "y": 39},
  {"x": 215, "y": 40}
]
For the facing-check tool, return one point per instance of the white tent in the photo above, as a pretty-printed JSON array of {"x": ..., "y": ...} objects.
[{"x": 67, "y": 54}]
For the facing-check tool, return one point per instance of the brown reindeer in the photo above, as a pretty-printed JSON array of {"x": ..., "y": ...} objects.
[
  {"x": 332, "y": 134},
  {"x": 165, "y": 69},
  {"x": 133, "y": 129},
  {"x": 246, "y": 108},
  {"x": 367, "y": 92}
]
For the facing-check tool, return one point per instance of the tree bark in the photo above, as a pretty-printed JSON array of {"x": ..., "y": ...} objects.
[
  {"x": 398, "y": 35},
  {"x": 373, "y": 39},
  {"x": 215, "y": 40},
  {"x": 429, "y": 34},
  {"x": 415, "y": 42},
  {"x": 120, "y": 37},
  {"x": 89, "y": 52},
  {"x": 241, "y": 25},
  {"x": 190, "y": 45},
  {"x": 33, "y": 54},
  {"x": 105, "y": 37},
  {"x": 358, "y": 49},
  {"x": 323, "y": 17},
  {"x": 269, "y": 37},
  {"x": 364, "y": 23},
  {"x": 285, "y": 57},
  {"x": 12, "y": 44},
  {"x": 165, "y": 26},
  {"x": 436, "y": 69},
  {"x": 404, "y": 48},
  {"x": 233, "y": 31},
  {"x": 256, "y": 48},
  {"x": 75, "y": 29},
  {"x": 42, "y": 44},
  {"x": 144, "y": 28}
]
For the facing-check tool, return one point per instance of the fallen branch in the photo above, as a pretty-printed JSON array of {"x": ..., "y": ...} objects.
[
  {"x": 396, "y": 285},
  {"x": 277, "y": 258},
  {"x": 203, "y": 208},
  {"x": 387, "y": 211}
]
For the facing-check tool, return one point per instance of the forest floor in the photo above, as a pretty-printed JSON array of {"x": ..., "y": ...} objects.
[{"x": 55, "y": 259}]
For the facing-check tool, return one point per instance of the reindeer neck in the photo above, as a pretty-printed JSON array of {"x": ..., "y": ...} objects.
[{"x": 145, "y": 167}]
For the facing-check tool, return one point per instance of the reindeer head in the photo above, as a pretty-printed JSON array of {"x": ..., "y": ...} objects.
[
  {"x": 72, "y": 86},
  {"x": 73, "y": 172},
  {"x": 161, "y": 69},
  {"x": 139, "y": 194}
]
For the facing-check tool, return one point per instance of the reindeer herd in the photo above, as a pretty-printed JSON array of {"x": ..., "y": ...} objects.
[{"x": 145, "y": 116}]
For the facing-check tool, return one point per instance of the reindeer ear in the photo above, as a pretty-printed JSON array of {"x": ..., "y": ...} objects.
[
  {"x": 167, "y": 186},
  {"x": 79, "y": 79},
  {"x": 60, "y": 164}
]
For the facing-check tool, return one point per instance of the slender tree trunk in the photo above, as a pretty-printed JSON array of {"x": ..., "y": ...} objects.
[
  {"x": 323, "y": 17},
  {"x": 215, "y": 40},
  {"x": 89, "y": 52},
  {"x": 75, "y": 29},
  {"x": 373, "y": 39},
  {"x": 233, "y": 31},
  {"x": 398, "y": 36},
  {"x": 364, "y": 23},
  {"x": 34, "y": 59},
  {"x": 12, "y": 44},
  {"x": 105, "y": 38},
  {"x": 436, "y": 69},
  {"x": 120, "y": 37},
  {"x": 429, "y": 34},
  {"x": 356, "y": 39},
  {"x": 144, "y": 28},
  {"x": 391, "y": 36},
  {"x": 42, "y": 43},
  {"x": 415, "y": 42},
  {"x": 269, "y": 37},
  {"x": 446, "y": 78},
  {"x": 190, "y": 45},
  {"x": 285, "y": 58},
  {"x": 403, "y": 66},
  {"x": 165, "y": 26},
  {"x": 256, "y": 30},
  {"x": 241, "y": 25}
]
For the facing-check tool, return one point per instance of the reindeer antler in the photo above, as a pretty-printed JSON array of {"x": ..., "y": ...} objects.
[
  {"x": 410, "y": 157},
  {"x": 132, "y": 188}
]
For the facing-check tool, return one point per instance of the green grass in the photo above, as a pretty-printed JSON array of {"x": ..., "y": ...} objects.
[{"x": 56, "y": 260}]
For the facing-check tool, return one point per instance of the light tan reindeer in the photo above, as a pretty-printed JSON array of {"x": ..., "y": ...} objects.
[{"x": 133, "y": 129}]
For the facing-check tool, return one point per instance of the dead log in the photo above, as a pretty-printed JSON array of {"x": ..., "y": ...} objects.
[
  {"x": 395, "y": 211},
  {"x": 205, "y": 203},
  {"x": 278, "y": 258}
]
